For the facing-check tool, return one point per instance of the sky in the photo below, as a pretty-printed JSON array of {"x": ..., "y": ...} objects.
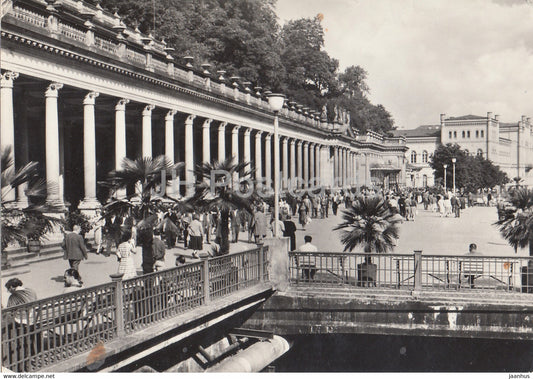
[{"x": 427, "y": 57}]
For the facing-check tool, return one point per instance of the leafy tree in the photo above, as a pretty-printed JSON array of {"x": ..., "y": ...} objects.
[
  {"x": 471, "y": 173},
  {"x": 369, "y": 223}
]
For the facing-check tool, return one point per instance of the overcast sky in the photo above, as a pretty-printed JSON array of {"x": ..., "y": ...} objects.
[{"x": 426, "y": 57}]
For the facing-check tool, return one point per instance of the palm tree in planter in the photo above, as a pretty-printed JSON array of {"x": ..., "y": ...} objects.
[
  {"x": 516, "y": 226},
  {"x": 370, "y": 223},
  {"x": 33, "y": 222},
  {"x": 216, "y": 191},
  {"x": 145, "y": 175}
]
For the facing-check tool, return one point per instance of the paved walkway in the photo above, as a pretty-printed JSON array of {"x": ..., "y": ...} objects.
[{"x": 429, "y": 233}]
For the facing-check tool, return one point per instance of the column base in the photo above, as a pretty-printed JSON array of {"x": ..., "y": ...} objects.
[
  {"x": 58, "y": 204},
  {"x": 89, "y": 206}
]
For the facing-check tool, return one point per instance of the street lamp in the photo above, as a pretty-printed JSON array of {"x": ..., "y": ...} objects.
[
  {"x": 445, "y": 167},
  {"x": 276, "y": 100},
  {"x": 453, "y": 161}
]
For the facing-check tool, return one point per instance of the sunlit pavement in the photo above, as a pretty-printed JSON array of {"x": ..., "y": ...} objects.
[{"x": 429, "y": 233}]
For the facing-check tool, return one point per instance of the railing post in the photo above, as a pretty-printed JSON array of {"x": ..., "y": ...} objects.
[
  {"x": 418, "y": 270},
  {"x": 261, "y": 247},
  {"x": 205, "y": 269},
  {"x": 119, "y": 302}
]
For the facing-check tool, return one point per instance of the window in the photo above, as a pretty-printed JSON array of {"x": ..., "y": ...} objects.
[
  {"x": 477, "y": 133},
  {"x": 425, "y": 181},
  {"x": 424, "y": 156},
  {"x": 450, "y": 135},
  {"x": 463, "y": 134},
  {"x": 482, "y": 134},
  {"x": 468, "y": 134},
  {"x": 413, "y": 157},
  {"x": 479, "y": 152},
  {"x": 454, "y": 134}
]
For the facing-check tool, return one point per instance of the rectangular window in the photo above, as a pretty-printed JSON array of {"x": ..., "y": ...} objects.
[
  {"x": 482, "y": 134},
  {"x": 468, "y": 134},
  {"x": 477, "y": 133},
  {"x": 450, "y": 134},
  {"x": 463, "y": 134},
  {"x": 454, "y": 134}
]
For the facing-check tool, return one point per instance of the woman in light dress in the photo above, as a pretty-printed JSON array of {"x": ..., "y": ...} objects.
[{"x": 125, "y": 252}]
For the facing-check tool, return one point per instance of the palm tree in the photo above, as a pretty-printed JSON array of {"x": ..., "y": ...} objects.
[
  {"x": 145, "y": 175},
  {"x": 516, "y": 223},
  {"x": 221, "y": 195},
  {"x": 370, "y": 223},
  {"x": 34, "y": 221}
]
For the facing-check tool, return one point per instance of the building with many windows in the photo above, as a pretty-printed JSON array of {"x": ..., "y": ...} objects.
[{"x": 507, "y": 145}]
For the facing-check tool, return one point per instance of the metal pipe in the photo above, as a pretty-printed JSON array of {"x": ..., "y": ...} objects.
[{"x": 255, "y": 358}]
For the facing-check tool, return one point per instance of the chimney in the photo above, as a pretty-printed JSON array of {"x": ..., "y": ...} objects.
[
  {"x": 489, "y": 115},
  {"x": 524, "y": 118},
  {"x": 497, "y": 117},
  {"x": 442, "y": 117}
]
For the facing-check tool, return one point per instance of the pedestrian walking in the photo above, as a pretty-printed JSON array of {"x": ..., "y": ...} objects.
[
  {"x": 196, "y": 235},
  {"x": 158, "y": 249},
  {"x": 74, "y": 246},
  {"x": 125, "y": 251}
]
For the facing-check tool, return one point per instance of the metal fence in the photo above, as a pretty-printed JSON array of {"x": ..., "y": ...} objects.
[
  {"x": 45, "y": 332},
  {"x": 413, "y": 271}
]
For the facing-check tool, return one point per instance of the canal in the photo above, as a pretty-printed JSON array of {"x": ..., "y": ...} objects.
[{"x": 376, "y": 353}]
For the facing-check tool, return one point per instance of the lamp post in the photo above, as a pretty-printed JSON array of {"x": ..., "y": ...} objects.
[
  {"x": 453, "y": 161},
  {"x": 276, "y": 100},
  {"x": 445, "y": 167}
]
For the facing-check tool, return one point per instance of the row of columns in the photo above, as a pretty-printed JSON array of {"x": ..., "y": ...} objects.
[{"x": 312, "y": 156}]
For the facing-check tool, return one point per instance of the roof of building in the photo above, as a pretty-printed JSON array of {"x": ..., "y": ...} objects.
[
  {"x": 467, "y": 117},
  {"x": 421, "y": 131},
  {"x": 508, "y": 124}
]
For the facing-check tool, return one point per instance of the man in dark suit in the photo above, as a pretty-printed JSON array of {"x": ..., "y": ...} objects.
[{"x": 74, "y": 247}]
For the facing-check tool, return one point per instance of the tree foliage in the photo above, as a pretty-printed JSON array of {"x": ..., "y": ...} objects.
[
  {"x": 244, "y": 38},
  {"x": 471, "y": 172}
]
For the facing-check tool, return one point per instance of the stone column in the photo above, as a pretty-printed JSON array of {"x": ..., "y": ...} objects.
[
  {"x": 299, "y": 154},
  {"x": 258, "y": 155},
  {"x": 120, "y": 132},
  {"x": 306, "y": 164},
  {"x": 147, "y": 130},
  {"x": 312, "y": 162},
  {"x": 285, "y": 163},
  {"x": 169, "y": 135},
  {"x": 52, "y": 145},
  {"x": 268, "y": 160},
  {"x": 7, "y": 129},
  {"x": 293, "y": 159},
  {"x": 206, "y": 141},
  {"x": 235, "y": 143},
  {"x": 89, "y": 153},
  {"x": 222, "y": 141},
  {"x": 189, "y": 156},
  {"x": 345, "y": 168},
  {"x": 318, "y": 160},
  {"x": 247, "y": 148},
  {"x": 335, "y": 166}
]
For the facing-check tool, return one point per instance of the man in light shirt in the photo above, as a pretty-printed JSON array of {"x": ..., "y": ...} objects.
[{"x": 307, "y": 262}]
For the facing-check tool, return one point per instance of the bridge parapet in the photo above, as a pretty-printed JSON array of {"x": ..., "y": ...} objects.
[
  {"x": 415, "y": 272},
  {"x": 45, "y": 332}
]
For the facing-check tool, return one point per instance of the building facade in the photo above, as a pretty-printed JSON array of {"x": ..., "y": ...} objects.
[
  {"x": 80, "y": 91},
  {"x": 507, "y": 145}
]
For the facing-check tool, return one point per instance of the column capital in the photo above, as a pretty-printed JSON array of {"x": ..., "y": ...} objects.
[
  {"x": 52, "y": 89},
  {"x": 7, "y": 79},
  {"x": 284, "y": 139},
  {"x": 190, "y": 118},
  {"x": 247, "y": 130},
  {"x": 147, "y": 111},
  {"x": 222, "y": 125},
  {"x": 292, "y": 141},
  {"x": 235, "y": 129},
  {"x": 305, "y": 143},
  {"x": 299, "y": 143},
  {"x": 170, "y": 114},
  {"x": 207, "y": 123},
  {"x": 90, "y": 98},
  {"x": 121, "y": 104},
  {"x": 258, "y": 134},
  {"x": 268, "y": 135}
]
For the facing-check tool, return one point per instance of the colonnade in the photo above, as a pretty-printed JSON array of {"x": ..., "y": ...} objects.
[{"x": 300, "y": 157}]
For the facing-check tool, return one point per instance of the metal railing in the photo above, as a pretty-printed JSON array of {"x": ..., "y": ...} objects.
[
  {"x": 45, "y": 332},
  {"x": 413, "y": 271}
]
